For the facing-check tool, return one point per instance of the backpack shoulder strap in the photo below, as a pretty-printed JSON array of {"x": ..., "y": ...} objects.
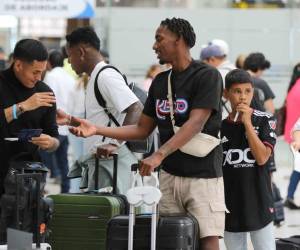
[{"x": 99, "y": 96}]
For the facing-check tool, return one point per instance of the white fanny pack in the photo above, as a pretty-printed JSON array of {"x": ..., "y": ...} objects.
[{"x": 201, "y": 144}]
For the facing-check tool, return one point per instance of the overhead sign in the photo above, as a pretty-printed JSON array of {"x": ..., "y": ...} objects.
[{"x": 48, "y": 8}]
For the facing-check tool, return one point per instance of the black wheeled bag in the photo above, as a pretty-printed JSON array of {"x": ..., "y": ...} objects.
[
  {"x": 22, "y": 205},
  {"x": 173, "y": 233},
  {"x": 291, "y": 243},
  {"x": 79, "y": 220},
  {"x": 141, "y": 232}
]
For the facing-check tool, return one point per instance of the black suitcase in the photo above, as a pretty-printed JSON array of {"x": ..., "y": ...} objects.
[
  {"x": 278, "y": 215},
  {"x": 291, "y": 243},
  {"x": 23, "y": 206},
  {"x": 173, "y": 233}
]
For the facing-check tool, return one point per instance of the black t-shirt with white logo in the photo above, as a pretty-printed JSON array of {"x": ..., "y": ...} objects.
[
  {"x": 247, "y": 185},
  {"x": 198, "y": 86}
]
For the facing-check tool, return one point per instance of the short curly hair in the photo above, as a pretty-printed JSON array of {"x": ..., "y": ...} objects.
[
  {"x": 84, "y": 35},
  {"x": 182, "y": 28}
]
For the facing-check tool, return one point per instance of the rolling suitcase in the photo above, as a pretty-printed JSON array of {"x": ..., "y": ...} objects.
[
  {"x": 23, "y": 206},
  {"x": 291, "y": 243},
  {"x": 79, "y": 220},
  {"x": 37, "y": 225},
  {"x": 173, "y": 232}
]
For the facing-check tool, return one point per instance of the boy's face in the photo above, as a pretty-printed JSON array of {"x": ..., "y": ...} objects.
[{"x": 239, "y": 93}]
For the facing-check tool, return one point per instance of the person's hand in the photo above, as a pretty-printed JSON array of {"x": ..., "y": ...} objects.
[
  {"x": 245, "y": 112},
  {"x": 62, "y": 118},
  {"x": 40, "y": 99},
  {"x": 84, "y": 128},
  {"x": 44, "y": 141},
  {"x": 296, "y": 145},
  {"x": 150, "y": 163},
  {"x": 106, "y": 150}
]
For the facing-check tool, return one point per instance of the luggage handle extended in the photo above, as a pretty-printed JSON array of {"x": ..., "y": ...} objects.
[
  {"x": 37, "y": 177},
  {"x": 115, "y": 172},
  {"x": 137, "y": 196}
]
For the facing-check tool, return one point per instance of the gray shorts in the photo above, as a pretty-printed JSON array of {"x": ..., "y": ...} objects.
[{"x": 203, "y": 198}]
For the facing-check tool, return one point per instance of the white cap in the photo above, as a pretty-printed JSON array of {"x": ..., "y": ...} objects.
[{"x": 222, "y": 44}]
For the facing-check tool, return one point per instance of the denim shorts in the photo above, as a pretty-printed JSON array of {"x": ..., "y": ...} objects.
[{"x": 262, "y": 239}]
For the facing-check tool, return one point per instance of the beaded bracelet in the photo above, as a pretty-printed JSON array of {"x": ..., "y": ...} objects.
[{"x": 14, "y": 111}]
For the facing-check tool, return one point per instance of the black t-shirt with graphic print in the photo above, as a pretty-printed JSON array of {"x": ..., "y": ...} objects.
[
  {"x": 198, "y": 86},
  {"x": 247, "y": 186}
]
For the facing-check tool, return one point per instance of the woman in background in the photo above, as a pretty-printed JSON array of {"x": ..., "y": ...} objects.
[
  {"x": 151, "y": 73},
  {"x": 292, "y": 115}
]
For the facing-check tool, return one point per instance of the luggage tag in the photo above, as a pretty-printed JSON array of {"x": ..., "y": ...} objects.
[{"x": 108, "y": 190}]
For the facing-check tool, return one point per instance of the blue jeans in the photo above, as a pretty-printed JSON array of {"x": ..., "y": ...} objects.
[
  {"x": 294, "y": 180},
  {"x": 49, "y": 160},
  {"x": 58, "y": 161},
  {"x": 262, "y": 239}
]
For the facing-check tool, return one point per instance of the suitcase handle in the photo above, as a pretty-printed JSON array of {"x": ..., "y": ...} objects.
[
  {"x": 136, "y": 166},
  {"x": 115, "y": 172},
  {"x": 138, "y": 177},
  {"x": 138, "y": 195},
  {"x": 37, "y": 177}
]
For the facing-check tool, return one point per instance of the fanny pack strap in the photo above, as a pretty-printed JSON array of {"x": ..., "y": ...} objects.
[{"x": 170, "y": 99}]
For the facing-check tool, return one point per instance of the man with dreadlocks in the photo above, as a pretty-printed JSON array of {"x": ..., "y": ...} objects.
[{"x": 189, "y": 184}]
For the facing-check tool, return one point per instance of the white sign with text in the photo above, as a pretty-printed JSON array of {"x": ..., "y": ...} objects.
[{"x": 48, "y": 8}]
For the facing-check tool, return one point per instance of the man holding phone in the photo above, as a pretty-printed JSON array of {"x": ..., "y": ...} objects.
[{"x": 26, "y": 103}]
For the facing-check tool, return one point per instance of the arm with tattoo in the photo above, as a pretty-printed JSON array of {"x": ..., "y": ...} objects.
[{"x": 133, "y": 113}]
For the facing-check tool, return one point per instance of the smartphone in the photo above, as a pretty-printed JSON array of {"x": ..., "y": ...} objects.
[{"x": 25, "y": 135}]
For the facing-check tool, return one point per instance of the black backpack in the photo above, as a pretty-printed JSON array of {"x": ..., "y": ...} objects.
[{"x": 140, "y": 146}]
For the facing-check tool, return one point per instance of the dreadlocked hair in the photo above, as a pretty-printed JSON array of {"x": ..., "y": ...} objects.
[{"x": 182, "y": 28}]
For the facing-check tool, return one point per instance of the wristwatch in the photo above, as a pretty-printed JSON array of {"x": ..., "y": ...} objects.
[{"x": 20, "y": 109}]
